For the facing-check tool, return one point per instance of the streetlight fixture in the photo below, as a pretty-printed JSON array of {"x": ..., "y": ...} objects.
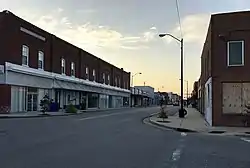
[
  {"x": 181, "y": 111},
  {"x": 138, "y": 73}
]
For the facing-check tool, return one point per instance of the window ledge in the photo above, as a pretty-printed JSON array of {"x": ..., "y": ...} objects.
[{"x": 240, "y": 65}]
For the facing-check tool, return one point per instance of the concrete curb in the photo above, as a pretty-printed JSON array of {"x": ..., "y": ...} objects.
[
  {"x": 64, "y": 114},
  {"x": 169, "y": 127},
  {"x": 39, "y": 116},
  {"x": 195, "y": 131}
]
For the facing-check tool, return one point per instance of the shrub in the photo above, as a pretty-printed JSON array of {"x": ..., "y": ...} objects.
[
  {"x": 45, "y": 103},
  {"x": 71, "y": 109},
  {"x": 162, "y": 113}
]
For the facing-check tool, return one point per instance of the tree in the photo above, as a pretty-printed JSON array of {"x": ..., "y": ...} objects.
[{"x": 45, "y": 103}]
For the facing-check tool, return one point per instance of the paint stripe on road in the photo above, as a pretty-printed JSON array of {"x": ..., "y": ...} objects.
[{"x": 178, "y": 151}]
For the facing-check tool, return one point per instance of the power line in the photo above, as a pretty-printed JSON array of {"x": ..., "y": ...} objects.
[{"x": 179, "y": 18}]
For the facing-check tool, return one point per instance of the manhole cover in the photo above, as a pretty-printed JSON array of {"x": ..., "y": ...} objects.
[
  {"x": 217, "y": 132},
  {"x": 163, "y": 121}
]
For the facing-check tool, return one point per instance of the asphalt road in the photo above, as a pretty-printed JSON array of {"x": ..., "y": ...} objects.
[{"x": 113, "y": 139}]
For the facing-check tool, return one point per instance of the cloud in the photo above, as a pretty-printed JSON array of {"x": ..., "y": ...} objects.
[
  {"x": 194, "y": 28},
  {"x": 59, "y": 10},
  {"x": 153, "y": 28},
  {"x": 88, "y": 36}
]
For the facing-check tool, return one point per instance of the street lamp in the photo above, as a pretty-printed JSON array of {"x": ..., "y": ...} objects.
[
  {"x": 181, "y": 111},
  {"x": 138, "y": 73}
]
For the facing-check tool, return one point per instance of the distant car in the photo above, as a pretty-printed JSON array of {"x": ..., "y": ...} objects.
[{"x": 176, "y": 104}]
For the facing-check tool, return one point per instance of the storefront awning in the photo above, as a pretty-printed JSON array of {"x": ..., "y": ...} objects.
[{"x": 67, "y": 85}]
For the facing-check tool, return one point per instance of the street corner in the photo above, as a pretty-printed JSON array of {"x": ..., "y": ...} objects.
[{"x": 172, "y": 123}]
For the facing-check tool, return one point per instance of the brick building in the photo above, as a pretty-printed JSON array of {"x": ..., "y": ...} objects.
[
  {"x": 34, "y": 62},
  {"x": 224, "y": 85}
]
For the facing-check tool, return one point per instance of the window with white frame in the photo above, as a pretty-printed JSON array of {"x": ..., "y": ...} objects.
[
  {"x": 40, "y": 60},
  {"x": 73, "y": 72},
  {"x": 235, "y": 53},
  {"x": 25, "y": 55},
  {"x": 103, "y": 77},
  {"x": 87, "y": 72},
  {"x": 63, "y": 64},
  {"x": 108, "y": 79},
  {"x": 94, "y": 75}
]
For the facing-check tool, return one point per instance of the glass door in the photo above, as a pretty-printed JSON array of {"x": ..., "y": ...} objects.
[{"x": 32, "y": 102}]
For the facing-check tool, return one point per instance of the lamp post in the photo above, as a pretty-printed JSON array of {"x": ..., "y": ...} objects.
[
  {"x": 138, "y": 73},
  {"x": 181, "y": 111}
]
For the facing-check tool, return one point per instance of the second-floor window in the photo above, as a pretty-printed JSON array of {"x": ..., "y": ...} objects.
[
  {"x": 115, "y": 81},
  {"x": 40, "y": 60},
  {"x": 73, "y": 72},
  {"x": 235, "y": 53},
  {"x": 103, "y": 77},
  {"x": 94, "y": 75},
  {"x": 119, "y": 82},
  {"x": 87, "y": 72},
  {"x": 63, "y": 64},
  {"x": 108, "y": 80},
  {"x": 25, "y": 55}
]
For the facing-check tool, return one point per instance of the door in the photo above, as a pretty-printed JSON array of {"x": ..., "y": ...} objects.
[{"x": 32, "y": 102}]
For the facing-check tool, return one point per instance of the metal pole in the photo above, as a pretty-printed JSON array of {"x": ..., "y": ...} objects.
[{"x": 181, "y": 113}]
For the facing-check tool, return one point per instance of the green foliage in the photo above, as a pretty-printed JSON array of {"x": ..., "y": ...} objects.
[
  {"x": 71, "y": 109},
  {"x": 45, "y": 103},
  {"x": 163, "y": 114}
]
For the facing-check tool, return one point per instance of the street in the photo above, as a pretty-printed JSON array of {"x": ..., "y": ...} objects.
[{"x": 113, "y": 139}]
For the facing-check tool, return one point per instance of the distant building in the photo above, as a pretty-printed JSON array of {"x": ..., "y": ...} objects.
[{"x": 149, "y": 91}]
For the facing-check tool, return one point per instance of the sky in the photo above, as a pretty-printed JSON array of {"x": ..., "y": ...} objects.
[{"x": 125, "y": 33}]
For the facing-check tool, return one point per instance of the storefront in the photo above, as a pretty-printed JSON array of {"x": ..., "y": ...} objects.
[{"x": 29, "y": 86}]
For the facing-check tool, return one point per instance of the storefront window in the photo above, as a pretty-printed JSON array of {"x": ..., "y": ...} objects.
[
  {"x": 92, "y": 100},
  {"x": 125, "y": 101},
  {"x": 103, "y": 101}
]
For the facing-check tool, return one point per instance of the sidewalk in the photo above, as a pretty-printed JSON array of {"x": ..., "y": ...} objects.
[
  {"x": 34, "y": 114},
  {"x": 194, "y": 122}
]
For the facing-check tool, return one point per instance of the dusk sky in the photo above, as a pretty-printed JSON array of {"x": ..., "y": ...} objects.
[{"x": 125, "y": 33}]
